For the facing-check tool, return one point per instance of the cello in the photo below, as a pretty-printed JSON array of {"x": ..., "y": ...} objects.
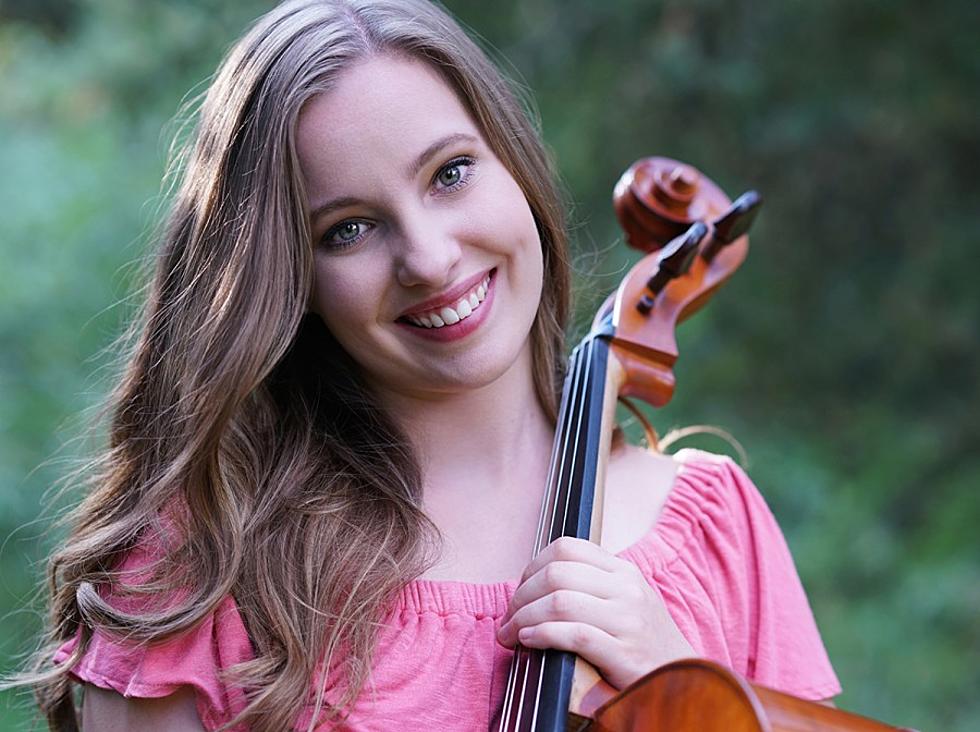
[{"x": 694, "y": 238}]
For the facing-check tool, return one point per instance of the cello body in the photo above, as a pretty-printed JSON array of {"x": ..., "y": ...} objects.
[{"x": 697, "y": 695}]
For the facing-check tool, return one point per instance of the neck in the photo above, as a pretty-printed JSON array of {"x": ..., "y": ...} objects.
[{"x": 475, "y": 443}]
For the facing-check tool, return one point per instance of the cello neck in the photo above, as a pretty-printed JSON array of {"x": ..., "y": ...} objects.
[{"x": 539, "y": 685}]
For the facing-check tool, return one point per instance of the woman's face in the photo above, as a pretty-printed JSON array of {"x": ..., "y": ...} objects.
[{"x": 428, "y": 261}]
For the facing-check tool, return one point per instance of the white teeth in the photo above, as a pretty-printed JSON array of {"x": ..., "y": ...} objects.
[{"x": 449, "y": 315}]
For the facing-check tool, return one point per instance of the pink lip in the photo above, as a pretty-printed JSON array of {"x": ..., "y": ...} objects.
[
  {"x": 448, "y": 298},
  {"x": 461, "y": 329}
]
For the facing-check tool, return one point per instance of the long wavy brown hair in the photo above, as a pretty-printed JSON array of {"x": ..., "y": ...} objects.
[{"x": 239, "y": 428}]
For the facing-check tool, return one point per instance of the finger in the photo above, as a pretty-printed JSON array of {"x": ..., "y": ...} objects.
[
  {"x": 591, "y": 643},
  {"x": 563, "y": 576},
  {"x": 570, "y": 549},
  {"x": 563, "y": 606}
]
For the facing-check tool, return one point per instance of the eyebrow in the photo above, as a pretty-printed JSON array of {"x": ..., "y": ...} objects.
[
  {"x": 435, "y": 147},
  {"x": 413, "y": 170}
]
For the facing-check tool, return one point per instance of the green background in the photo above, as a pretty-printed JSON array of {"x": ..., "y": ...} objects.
[{"x": 843, "y": 356}]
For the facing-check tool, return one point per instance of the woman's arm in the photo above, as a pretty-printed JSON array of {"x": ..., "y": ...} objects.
[{"x": 111, "y": 712}]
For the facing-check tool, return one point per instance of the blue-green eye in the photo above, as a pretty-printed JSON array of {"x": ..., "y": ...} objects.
[
  {"x": 450, "y": 176},
  {"x": 455, "y": 173},
  {"x": 345, "y": 234}
]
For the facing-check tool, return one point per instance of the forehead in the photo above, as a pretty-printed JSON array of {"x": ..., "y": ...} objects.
[{"x": 376, "y": 118}]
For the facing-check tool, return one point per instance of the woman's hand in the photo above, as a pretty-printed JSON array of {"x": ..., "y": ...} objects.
[{"x": 576, "y": 596}]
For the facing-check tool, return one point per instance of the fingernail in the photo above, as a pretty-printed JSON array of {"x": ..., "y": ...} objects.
[{"x": 525, "y": 634}]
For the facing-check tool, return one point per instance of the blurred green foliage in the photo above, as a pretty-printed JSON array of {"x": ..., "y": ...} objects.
[{"x": 844, "y": 355}]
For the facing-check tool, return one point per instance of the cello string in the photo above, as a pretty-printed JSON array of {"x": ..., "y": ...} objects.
[
  {"x": 567, "y": 474},
  {"x": 583, "y": 382},
  {"x": 522, "y": 657},
  {"x": 556, "y": 468},
  {"x": 554, "y": 487},
  {"x": 584, "y": 395},
  {"x": 563, "y": 482},
  {"x": 526, "y": 656},
  {"x": 578, "y": 395},
  {"x": 509, "y": 694},
  {"x": 578, "y": 430}
]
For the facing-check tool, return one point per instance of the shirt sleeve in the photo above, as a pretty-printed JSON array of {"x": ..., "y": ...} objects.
[
  {"x": 193, "y": 658},
  {"x": 769, "y": 626}
]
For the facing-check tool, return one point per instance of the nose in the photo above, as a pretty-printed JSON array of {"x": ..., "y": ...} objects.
[{"x": 427, "y": 252}]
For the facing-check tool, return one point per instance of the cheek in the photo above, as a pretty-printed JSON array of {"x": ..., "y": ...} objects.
[
  {"x": 340, "y": 297},
  {"x": 523, "y": 234},
  {"x": 509, "y": 217}
]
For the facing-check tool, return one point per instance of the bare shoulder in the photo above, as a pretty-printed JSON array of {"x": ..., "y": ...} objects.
[
  {"x": 106, "y": 710},
  {"x": 638, "y": 483}
]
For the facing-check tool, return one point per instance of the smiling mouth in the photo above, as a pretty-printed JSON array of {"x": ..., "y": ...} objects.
[{"x": 447, "y": 315}]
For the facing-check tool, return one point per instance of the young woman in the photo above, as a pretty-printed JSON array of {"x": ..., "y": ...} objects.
[{"x": 331, "y": 439}]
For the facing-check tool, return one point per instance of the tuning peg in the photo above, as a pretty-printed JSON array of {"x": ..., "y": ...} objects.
[
  {"x": 733, "y": 223},
  {"x": 674, "y": 260}
]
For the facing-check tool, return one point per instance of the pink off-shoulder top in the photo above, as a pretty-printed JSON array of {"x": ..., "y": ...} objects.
[{"x": 715, "y": 555}]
